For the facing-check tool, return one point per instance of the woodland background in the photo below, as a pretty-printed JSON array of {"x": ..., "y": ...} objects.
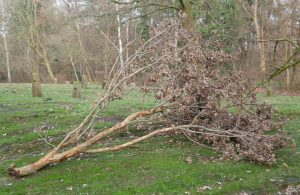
[{"x": 66, "y": 39}]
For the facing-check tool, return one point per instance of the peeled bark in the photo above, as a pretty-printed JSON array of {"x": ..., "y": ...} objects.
[
  {"x": 130, "y": 143},
  {"x": 55, "y": 157}
]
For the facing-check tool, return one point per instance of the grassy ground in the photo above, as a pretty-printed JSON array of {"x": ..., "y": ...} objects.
[{"x": 156, "y": 166}]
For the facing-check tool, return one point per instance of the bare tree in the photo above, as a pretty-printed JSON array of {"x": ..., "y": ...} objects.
[
  {"x": 26, "y": 23},
  {"x": 259, "y": 34},
  {"x": 5, "y": 41},
  {"x": 120, "y": 42}
]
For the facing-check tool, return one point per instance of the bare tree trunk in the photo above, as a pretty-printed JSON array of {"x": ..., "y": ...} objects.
[
  {"x": 87, "y": 67},
  {"x": 76, "y": 89},
  {"x": 259, "y": 35},
  {"x": 5, "y": 42},
  {"x": 42, "y": 53},
  {"x": 74, "y": 68},
  {"x": 48, "y": 66},
  {"x": 175, "y": 36},
  {"x": 120, "y": 41},
  {"x": 188, "y": 22},
  {"x": 54, "y": 157},
  {"x": 127, "y": 39},
  {"x": 38, "y": 44},
  {"x": 261, "y": 45},
  {"x": 287, "y": 70},
  {"x": 293, "y": 28},
  {"x": 132, "y": 142},
  {"x": 294, "y": 72},
  {"x": 36, "y": 83}
]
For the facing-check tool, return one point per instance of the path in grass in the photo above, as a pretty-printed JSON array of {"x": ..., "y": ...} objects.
[{"x": 155, "y": 166}]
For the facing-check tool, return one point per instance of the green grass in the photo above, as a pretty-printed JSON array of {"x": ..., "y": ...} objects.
[{"x": 156, "y": 166}]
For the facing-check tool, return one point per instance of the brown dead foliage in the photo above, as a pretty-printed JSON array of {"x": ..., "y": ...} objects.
[{"x": 220, "y": 108}]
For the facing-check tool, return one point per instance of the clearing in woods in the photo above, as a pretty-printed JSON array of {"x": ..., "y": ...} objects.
[{"x": 159, "y": 165}]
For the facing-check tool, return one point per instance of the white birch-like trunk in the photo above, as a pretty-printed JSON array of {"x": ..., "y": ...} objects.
[
  {"x": 259, "y": 34},
  {"x": 5, "y": 43},
  {"x": 120, "y": 41},
  {"x": 127, "y": 40}
]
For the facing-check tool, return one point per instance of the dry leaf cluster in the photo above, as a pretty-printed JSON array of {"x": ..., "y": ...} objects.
[{"x": 218, "y": 109}]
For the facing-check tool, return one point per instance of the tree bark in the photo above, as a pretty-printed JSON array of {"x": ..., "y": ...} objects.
[
  {"x": 77, "y": 89},
  {"x": 188, "y": 22},
  {"x": 48, "y": 66},
  {"x": 5, "y": 43},
  {"x": 120, "y": 41},
  {"x": 259, "y": 36},
  {"x": 74, "y": 68},
  {"x": 132, "y": 142},
  {"x": 55, "y": 157},
  {"x": 88, "y": 69},
  {"x": 286, "y": 44},
  {"x": 36, "y": 85}
]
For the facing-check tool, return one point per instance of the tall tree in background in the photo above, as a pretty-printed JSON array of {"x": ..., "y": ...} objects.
[
  {"x": 5, "y": 41},
  {"x": 87, "y": 30},
  {"x": 24, "y": 24},
  {"x": 27, "y": 24},
  {"x": 259, "y": 35},
  {"x": 120, "y": 42}
]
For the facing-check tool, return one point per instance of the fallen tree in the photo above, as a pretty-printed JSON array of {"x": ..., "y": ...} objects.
[{"x": 209, "y": 108}]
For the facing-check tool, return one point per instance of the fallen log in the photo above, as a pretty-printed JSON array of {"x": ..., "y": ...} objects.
[{"x": 55, "y": 157}]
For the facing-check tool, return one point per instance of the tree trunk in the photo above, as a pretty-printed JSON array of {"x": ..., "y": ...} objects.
[
  {"x": 87, "y": 67},
  {"x": 5, "y": 42},
  {"x": 84, "y": 82},
  {"x": 259, "y": 36},
  {"x": 36, "y": 85},
  {"x": 188, "y": 22},
  {"x": 287, "y": 70},
  {"x": 294, "y": 72},
  {"x": 120, "y": 41},
  {"x": 54, "y": 157},
  {"x": 77, "y": 89},
  {"x": 48, "y": 66},
  {"x": 261, "y": 46},
  {"x": 42, "y": 53},
  {"x": 74, "y": 68}
]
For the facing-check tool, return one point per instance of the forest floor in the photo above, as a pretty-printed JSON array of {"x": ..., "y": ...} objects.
[{"x": 160, "y": 165}]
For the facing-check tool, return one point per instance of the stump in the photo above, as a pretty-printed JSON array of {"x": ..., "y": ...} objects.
[
  {"x": 55, "y": 80},
  {"x": 103, "y": 83},
  {"x": 77, "y": 89},
  {"x": 84, "y": 83},
  {"x": 36, "y": 86},
  {"x": 101, "y": 78}
]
